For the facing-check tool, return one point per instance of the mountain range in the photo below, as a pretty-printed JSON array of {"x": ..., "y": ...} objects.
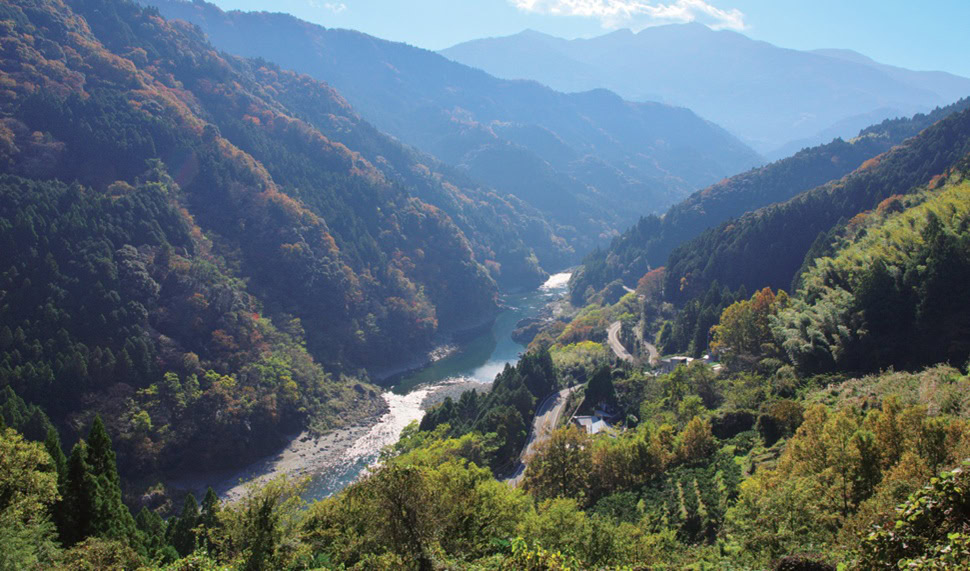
[
  {"x": 587, "y": 161},
  {"x": 206, "y": 257},
  {"x": 777, "y": 100}
]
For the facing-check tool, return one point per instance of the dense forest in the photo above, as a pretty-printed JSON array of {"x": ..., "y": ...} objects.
[
  {"x": 201, "y": 255},
  {"x": 181, "y": 252},
  {"x": 892, "y": 296},
  {"x": 112, "y": 305},
  {"x": 732, "y": 469},
  {"x": 767, "y": 247},
  {"x": 650, "y": 241},
  {"x": 357, "y": 246},
  {"x": 504, "y": 412}
]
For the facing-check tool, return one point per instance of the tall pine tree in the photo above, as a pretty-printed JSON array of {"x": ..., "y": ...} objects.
[
  {"x": 53, "y": 445},
  {"x": 114, "y": 520},
  {"x": 183, "y": 529},
  {"x": 209, "y": 518},
  {"x": 101, "y": 455},
  {"x": 81, "y": 496},
  {"x": 92, "y": 498},
  {"x": 151, "y": 531}
]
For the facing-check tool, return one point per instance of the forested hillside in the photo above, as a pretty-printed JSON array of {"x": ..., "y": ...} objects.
[
  {"x": 650, "y": 242},
  {"x": 201, "y": 256},
  {"x": 767, "y": 247},
  {"x": 588, "y": 161},
  {"x": 893, "y": 294},
  {"x": 763, "y": 463},
  {"x": 182, "y": 249},
  {"x": 515, "y": 241},
  {"x": 314, "y": 225},
  {"x": 112, "y": 302}
]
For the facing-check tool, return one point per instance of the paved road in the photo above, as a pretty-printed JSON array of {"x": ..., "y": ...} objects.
[
  {"x": 546, "y": 420},
  {"x": 613, "y": 336},
  {"x": 652, "y": 350}
]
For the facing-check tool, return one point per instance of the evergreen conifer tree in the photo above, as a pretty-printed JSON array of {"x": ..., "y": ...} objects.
[
  {"x": 101, "y": 455},
  {"x": 151, "y": 532},
  {"x": 53, "y": 445},
  {"x": 183, "y": 533},
  {"x": 114, "y": 520},
  {"x": 209, "y": 517},
  {"x": 92, "y": 497},
  {"x": 80, "y": 498}
]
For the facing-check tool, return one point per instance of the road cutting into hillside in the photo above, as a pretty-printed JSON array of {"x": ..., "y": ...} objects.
[
  {"x": 546, "y": 419},
  {"x": 613, "y": 337}
]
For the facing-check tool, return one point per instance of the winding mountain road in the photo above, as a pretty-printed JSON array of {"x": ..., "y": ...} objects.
[
  {"x": 652, "y": 351},
  {"x": 546, "y": 420},
  {"x": 613, "y": 337}
]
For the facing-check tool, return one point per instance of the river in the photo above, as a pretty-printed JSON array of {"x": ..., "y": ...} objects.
[{"x": 476, "y": 361}]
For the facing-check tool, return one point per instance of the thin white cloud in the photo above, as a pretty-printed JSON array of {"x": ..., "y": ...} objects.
[
  {"x": 335, "y": 7},
  {"x": 638, "y": 13}
]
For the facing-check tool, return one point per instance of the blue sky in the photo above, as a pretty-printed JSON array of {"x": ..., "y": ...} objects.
[{"x": 924, "y": 35}]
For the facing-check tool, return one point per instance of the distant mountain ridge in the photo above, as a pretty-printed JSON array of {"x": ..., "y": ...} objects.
[
  {"x": 948, "y": 85},
  {"x": 769, "y": 96},
  {"x": 590, "y": 162}
]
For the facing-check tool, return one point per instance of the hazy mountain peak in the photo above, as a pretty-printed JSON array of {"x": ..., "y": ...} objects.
[
  {"x": 845, "y": 54},
  {"x": 621, "y": 33},
  {"x": 770, "y": 96},
  {"x": 531, "y": 33}
]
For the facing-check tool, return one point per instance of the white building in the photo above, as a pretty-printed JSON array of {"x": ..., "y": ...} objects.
[{"x": 591, "y": 424}]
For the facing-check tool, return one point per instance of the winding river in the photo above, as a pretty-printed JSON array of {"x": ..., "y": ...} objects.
[{"x": 477, "y": 360}]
